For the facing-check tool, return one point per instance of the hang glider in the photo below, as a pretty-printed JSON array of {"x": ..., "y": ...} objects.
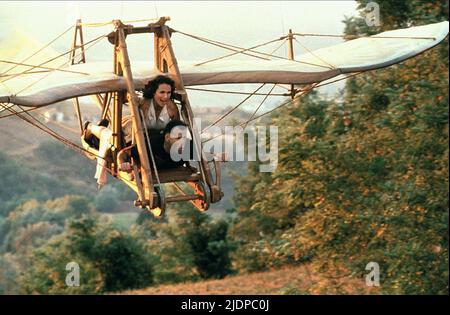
[
  {"x": 356, "y": 55},
  {"x": 116, "y": 82}
]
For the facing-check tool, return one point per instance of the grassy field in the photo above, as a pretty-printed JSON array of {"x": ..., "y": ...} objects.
[{"x": 291, "y": 280}]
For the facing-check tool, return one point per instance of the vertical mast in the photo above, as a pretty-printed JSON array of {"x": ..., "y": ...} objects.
[
  {"x": 290, "y": 37},
  {"x": 74, "y": 48}
]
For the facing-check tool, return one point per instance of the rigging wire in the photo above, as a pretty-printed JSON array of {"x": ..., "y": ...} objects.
[
  {"x": 52, "y": 59},
  {"x": 313, "y": 54},
  {"x": 259, "y": 116},
  {"x": 234, "y": 92},
  {"x": 38, "y": 124},
  {"x": 254, "y": 113},
  {"x": 59, "y": 124},
  {"x": 48, "y": 69},
  {"x": 156, "y": 9},
  {"x": 357, "y": 37},
  {"x": 14, "y": 114},
  {"x": 301, "y": 93},
  {"x": 282, "y": 86},
  {"x": 62, "y": 65},
  {"x": 38, "y": 51},
  {"x": 234, "y": 48},
  {"x": 17, "y": 74},
  {"x": 340, "y": 79},
  {"x": 241, "y": 51},
  {"x": 221, "y": 45},
  {"x": 101, "y": 24},
  {"x": 281, "y": 45},
  {"x": 231, "y": 110}
]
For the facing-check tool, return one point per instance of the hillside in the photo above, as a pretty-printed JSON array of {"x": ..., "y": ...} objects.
[{"x": 288, "y": 280}]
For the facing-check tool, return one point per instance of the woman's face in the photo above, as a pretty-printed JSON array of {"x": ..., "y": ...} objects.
[{"x": 162, "y": 94}]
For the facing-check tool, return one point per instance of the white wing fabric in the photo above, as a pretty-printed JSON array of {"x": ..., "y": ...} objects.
[{"x": 361, "y": 54}]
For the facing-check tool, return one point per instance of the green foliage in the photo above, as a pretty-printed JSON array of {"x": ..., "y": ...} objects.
[
  {"x": 121, "y": 259},
  {"x": 107, "y": 199},
  {"x": 123, "y": 221},
  {"x": 109, "y": 261},
  {"x": 292, "y": 290},
  {"x": 33, "y": 222},
  {"x": 210, "y": 249},
  {"x": 47, "y": 274},
  {"x": 365, "y": 180},
  {"x": 123, "y": 192},
  {"x": 190, "y": 246},
  {"x": 124, "y": 264},
  {"x": 9, "y": 273},
  {"x": 12, "y": 178},
  {"x": 110, "y": 196},
  {"x": 378, "y": 101},
  {"x": 66, "y": 163}
]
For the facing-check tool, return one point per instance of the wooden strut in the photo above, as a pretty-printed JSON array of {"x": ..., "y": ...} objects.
[
  {"x": 122, "y": 67},
  {"x": 166, "y": 62},
  {"x": 78, "y": 43},
  {"x": 75, "y": 46},
  {"x": 290, "y": 37},
  {"x": 102, "y": 102}
]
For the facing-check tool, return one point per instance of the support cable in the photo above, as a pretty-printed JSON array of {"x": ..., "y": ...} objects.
[{"x": 231, "y": 110}]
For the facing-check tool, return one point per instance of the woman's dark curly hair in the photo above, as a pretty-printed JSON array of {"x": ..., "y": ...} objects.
[{"x": 152, "y": 86}]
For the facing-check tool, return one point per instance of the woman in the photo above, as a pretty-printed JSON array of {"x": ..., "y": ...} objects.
[
  {"x": 157, "y": 104},
  {"x": 158, "y": 109}
]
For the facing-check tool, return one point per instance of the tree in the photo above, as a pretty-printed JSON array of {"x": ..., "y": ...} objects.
[
  {"x": 363, "y": 180},
  {"x": 190, "y": 246},
  {"x": 109, "y": 261}
]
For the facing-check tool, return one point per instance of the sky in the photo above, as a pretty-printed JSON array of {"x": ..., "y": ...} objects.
[{"x": 241, "y": 23}]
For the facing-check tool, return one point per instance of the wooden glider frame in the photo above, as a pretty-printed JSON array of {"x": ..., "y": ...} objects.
[{"x": 142, "y": 180}]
